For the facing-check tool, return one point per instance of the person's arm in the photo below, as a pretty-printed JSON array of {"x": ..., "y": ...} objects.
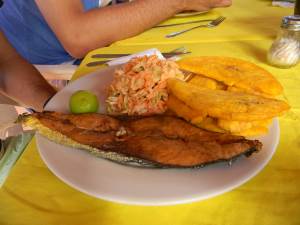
[
  {"x": 20, "y": 81},
  {"x": 80, "y": 31}
]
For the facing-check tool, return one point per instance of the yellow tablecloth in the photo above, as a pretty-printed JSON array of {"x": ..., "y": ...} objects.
[{"x": 33, "y": 195}]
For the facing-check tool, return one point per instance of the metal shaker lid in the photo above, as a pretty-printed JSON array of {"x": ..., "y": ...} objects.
[{"x": 291, "y": 22}]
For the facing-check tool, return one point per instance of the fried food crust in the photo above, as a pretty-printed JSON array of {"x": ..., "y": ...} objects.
[
  {"x": 182, "y": 110},
  {"x": 226, "y": 105},
  {"x": 234, "y": 72}
]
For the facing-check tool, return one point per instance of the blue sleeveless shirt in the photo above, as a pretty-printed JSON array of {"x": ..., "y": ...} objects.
[{"x": 28, "y": 32}]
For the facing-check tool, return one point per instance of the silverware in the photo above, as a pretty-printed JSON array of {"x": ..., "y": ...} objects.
[
  {"x": 178, "y": 24},
  {"x": 180, "y": 49},
  {"x": 211, "y": 24},
  {"x": 97, "y": 63},
  {"x": 187, "y": 75},
  {"x": 114, "y": 55},
  {"x": 175, "y": 52},
  {"x": 108, "y": 55}
]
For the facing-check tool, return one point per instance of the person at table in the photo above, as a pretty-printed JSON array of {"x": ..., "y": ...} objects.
[
  {"x": 53, "y": 32},
  {"x": 20, "y": 81}
]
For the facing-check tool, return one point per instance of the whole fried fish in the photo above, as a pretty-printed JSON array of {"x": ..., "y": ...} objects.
[{"x": 156, "y": 141}]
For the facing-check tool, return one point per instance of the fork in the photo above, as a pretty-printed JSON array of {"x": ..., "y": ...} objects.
[
  {"x": 211, "y": 24},
  {"x": 187, "y": 75},
  {"x": 178, "y": 24}
]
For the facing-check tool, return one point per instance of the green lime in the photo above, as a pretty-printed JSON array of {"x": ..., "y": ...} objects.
[{"x": 83, "y": 102}]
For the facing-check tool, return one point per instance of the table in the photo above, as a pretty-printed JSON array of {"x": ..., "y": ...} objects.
[{"x": 33, "y": 195}]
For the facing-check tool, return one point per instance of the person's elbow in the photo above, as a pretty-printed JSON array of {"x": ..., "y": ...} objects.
[
  {"x": 78, "y": 46},
  {"x": 75, "y": 48}
]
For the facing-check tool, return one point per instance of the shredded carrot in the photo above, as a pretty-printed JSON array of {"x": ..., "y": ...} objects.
[{"x": 140, "y": 87}]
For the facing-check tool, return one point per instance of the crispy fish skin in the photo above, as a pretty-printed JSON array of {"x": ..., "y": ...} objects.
[
  {"x": 186, "y": 154},
  {"x": 164, "y": 140},
  {"x": 234, "y": 72},
  {"x": 226, "y": 105}
]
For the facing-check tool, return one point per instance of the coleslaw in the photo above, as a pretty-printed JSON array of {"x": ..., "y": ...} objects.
[{"x": 140, "y": 87}]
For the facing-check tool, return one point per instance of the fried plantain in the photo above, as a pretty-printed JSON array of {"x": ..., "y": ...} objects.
[
  {"x": 226, "y": 105},
  {"x": 182, "y": 110},
  {"x": 206, "y": 82},
  {"x": 234, "y": 72}
]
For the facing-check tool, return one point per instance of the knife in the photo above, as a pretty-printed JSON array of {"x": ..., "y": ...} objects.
[
  {"x": 165, "y": 54},
  {"x": 102, "y": 62}
]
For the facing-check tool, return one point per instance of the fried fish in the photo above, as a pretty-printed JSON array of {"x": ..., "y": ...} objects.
[{"x": 156, "y": 141}]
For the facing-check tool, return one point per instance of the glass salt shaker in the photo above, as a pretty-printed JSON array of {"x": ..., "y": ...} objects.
[{"x": 285, "y": 51}]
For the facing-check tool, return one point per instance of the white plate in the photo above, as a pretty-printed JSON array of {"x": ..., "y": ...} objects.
[{"x": 111, "y": 181}]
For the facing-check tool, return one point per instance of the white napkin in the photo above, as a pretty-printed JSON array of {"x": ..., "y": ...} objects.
[
  {"x": 125, "y": 59},
  {"x": 8, "y": 127}
]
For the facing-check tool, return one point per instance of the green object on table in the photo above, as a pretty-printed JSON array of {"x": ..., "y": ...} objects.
[
  {"x": 83, "y": 102},
  {"x": 11, "y": 149}
]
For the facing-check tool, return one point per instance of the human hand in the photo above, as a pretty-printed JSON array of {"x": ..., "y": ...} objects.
[{"x": 203, "y": 5}]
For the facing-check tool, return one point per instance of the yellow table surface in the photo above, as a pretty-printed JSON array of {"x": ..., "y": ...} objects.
[{"x": 33, "y": 195}]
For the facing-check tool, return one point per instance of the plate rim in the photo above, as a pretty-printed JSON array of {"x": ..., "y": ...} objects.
[{"x": 171, "y": 201}]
